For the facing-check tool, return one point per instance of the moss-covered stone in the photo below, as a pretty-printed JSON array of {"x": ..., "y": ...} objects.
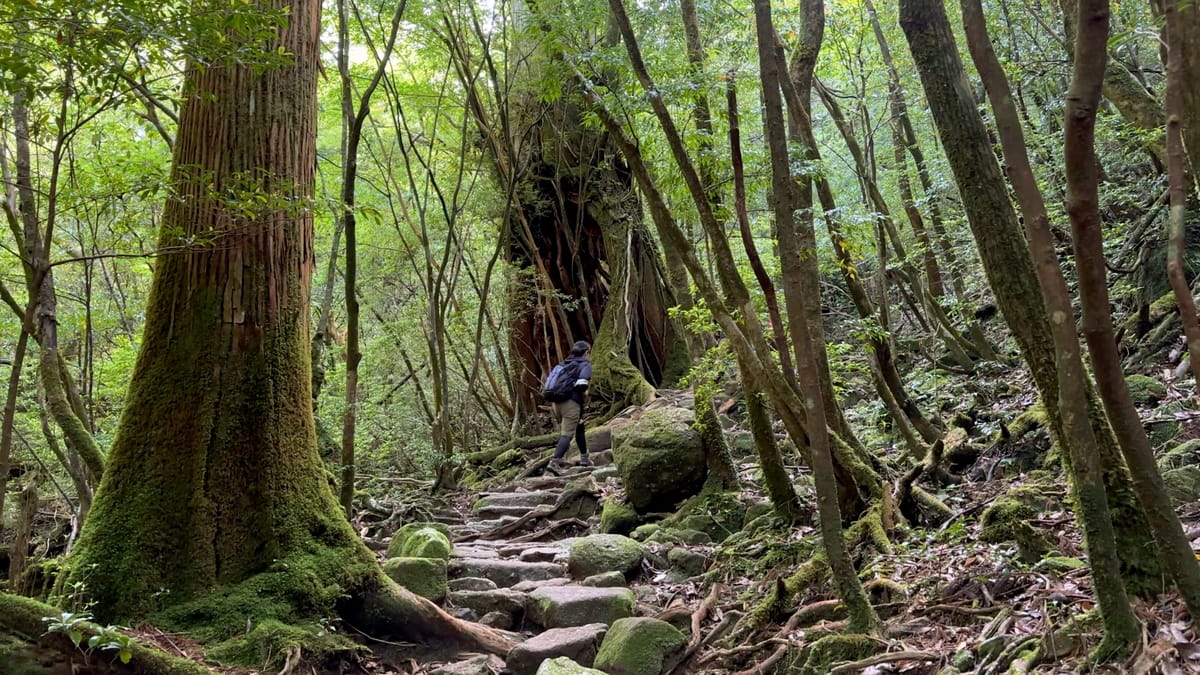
[
  {"x": 644, "y": 532},
  {"x": 506, "y": 459},
  {"x": 1145, "y": 390},
  {"x": 426, "y": 543},
  {"x": 605, "y": 553},
  {"x": 714, "y": 512},
  {"x": 1017, "y": 506},
  {"x": 660, "y": 458},
  {"x": 679, "y": 536},
  {"x": 425, "y": 546},
  {"x": 1183, "y": 483},
  {"x": 688, "y": 563},
  {"x": 640, "y": 646},
  {"x": 1059, "y": 564},
  {"x": 617, "y": 517},
  {"x": 566, "y": 606},
  {"x": 271, "y": 642},
  {"x": 424, "y": 576}
]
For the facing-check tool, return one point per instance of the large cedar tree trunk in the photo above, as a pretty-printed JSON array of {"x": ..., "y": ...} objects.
[
  {"x": 213, "y": 479},
  {"x": 594, "y": 271}
]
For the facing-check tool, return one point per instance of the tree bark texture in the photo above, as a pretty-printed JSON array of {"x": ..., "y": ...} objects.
[
  {"x": 1008, "y": 266},
  {"x": 807, "y": 334},
  {"x": 1072, "y": 380},
  {"x": 1177, "y": 180}
]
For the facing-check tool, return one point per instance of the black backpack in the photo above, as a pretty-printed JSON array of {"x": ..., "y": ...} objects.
[{"x": 560, "y": 383}]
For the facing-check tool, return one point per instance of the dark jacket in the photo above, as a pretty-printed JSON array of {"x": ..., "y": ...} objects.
[{"x": 582, "y": 379}]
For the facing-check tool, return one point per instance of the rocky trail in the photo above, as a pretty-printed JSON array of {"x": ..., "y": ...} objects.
[{"x": 523, "y": 560}]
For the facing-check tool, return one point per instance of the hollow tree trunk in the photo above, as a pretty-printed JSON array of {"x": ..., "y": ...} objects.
[{"x": 585, "y": 284}]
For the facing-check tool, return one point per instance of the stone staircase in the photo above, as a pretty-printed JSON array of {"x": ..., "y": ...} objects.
[{"x": 571, "y": 593}]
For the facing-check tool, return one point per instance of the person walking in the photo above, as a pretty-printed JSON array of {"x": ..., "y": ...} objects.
[{"x": 570, "y": 410}]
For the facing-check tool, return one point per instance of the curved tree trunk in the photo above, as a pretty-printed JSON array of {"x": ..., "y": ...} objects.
[{"x": 1009, "y": 268}]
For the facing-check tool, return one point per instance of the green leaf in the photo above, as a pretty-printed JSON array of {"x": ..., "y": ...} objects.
[
  {"x": 125, "y": 655},
  {"x": 75, "y": 636}
]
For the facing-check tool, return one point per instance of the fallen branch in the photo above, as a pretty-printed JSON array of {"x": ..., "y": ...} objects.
[{"x": 879, "y": 659}]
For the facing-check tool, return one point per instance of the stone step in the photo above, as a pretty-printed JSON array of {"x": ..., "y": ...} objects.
[
  {"x": 505, "y": 573},
  {"x": 566, "y": 606}
]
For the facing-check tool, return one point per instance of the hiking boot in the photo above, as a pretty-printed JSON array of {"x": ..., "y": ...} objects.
[
  {"x": 584, "y": 461},
  {"x": 555, "y": 466}
]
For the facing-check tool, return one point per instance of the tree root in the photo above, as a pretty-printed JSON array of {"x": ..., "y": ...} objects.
[
  {"x": 23, "y": 616},
  {"x": 390, "y": 609}
]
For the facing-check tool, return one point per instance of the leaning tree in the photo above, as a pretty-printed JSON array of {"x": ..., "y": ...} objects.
[{"x": 215, "y": 502}]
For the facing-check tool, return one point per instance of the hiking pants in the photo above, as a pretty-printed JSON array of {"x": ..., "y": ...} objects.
[{"x": 570, "y": 414}]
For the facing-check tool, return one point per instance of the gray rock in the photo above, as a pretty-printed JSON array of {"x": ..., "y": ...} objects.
[
  {"x": 579, "y": 644},
  {"x": 476, "y": 665},
  {"x": 640, "y": 646},
  {"x": 504, "y": 572},
  {"x": 472, "y": 584},
  {"x": 565, "y": 606},
  {"x": 530, "y": 586},
  {"x": 540, "y": 554},
  {"x": 501, "y": 620},
  {"x": 605, "y": 553},
  {"x": 604, "y": 473},
  {"x": 483, "y": 603},
  {"x": 473, "y": 552},
  {"x": 687, "y": 562},
  {"x": 605, "y": 580},
  {"x": 564, "y": 666},
  {"x": 660, "y": 458}
]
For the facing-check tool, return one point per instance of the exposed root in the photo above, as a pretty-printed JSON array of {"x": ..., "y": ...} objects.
[{"x": 23, "y": 617}]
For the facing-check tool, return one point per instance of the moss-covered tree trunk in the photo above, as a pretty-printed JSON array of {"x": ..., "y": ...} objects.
[
  {"x": 587, "y": 269},
  {"x": 1120, "y": 624},
  {"x": 215, "y": 492},
  {"x": 1009, "y": 268}
]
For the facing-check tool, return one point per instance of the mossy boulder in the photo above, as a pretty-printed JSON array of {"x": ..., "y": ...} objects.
[
  {"x": 276, "y": 640},
  {"x": 640, "y": 646},
  {"x": 1180, "y": 467},
  {"x": 1145, "y": 390},
  {"x": 566, "y": 606},
  {"x": 601, "y": 553},
  {"x": 424, "y": 576},
  {"x": 665, "y": 535},
  {"x": 617, "y": 517},
  {"x": 660, "y": 459},
  {"x": 421, "y": 540},
  {"x": 644, "y": 532},
  {"x": 688, "y": 563}
]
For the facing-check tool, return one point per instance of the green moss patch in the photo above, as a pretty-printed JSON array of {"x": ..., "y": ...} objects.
[
  {"x": 271, "y": 644},
  {"x": 1145, "y": 390},
  {"x": 421, "y": 540},
  {"x": 640, "y": 646},
  {"x": 820, "y": 657},
  {"x": 424, "y": 576},
  {"x": 617, "y": 517}
]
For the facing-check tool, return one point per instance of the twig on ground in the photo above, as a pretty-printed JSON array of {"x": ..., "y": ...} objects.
[{"x": 879, "y": 659}]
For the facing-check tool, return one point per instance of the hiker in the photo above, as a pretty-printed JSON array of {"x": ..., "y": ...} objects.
[{"x": 569, "y": 410}]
